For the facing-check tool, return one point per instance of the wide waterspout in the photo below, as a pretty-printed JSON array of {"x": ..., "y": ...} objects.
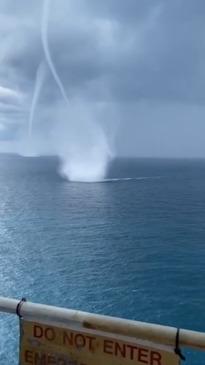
[
  {"x": 80, "y": 141},
  {"x": 83, "y": 147}
]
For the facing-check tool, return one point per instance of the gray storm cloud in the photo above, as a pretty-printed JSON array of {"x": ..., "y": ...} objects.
[
  {"x": 143, "y": 61},
  {"x": 9, "y": 96}
]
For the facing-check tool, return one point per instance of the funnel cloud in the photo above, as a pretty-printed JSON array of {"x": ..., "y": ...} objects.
[
  {"x": 40, "y": 76},
  {"x": 44, "y": 34}
]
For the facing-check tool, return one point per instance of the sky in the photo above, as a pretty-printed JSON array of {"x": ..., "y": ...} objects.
[{"x": 137, "y": 66}]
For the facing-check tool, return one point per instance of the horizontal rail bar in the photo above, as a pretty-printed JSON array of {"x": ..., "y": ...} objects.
[{"x": 113, "y": 325}]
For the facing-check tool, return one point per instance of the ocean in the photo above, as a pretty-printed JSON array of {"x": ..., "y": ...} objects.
[{"x": 133, "y": 248}]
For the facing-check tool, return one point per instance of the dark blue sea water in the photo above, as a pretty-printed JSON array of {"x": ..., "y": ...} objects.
[{"x": 132, "y": 248}]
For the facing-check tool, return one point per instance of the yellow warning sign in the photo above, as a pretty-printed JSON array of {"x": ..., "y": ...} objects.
[{"x": 42, "y": 344}]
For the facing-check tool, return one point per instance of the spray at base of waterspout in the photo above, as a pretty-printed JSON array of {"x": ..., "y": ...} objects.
[{"x": 84, "y": 171}]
